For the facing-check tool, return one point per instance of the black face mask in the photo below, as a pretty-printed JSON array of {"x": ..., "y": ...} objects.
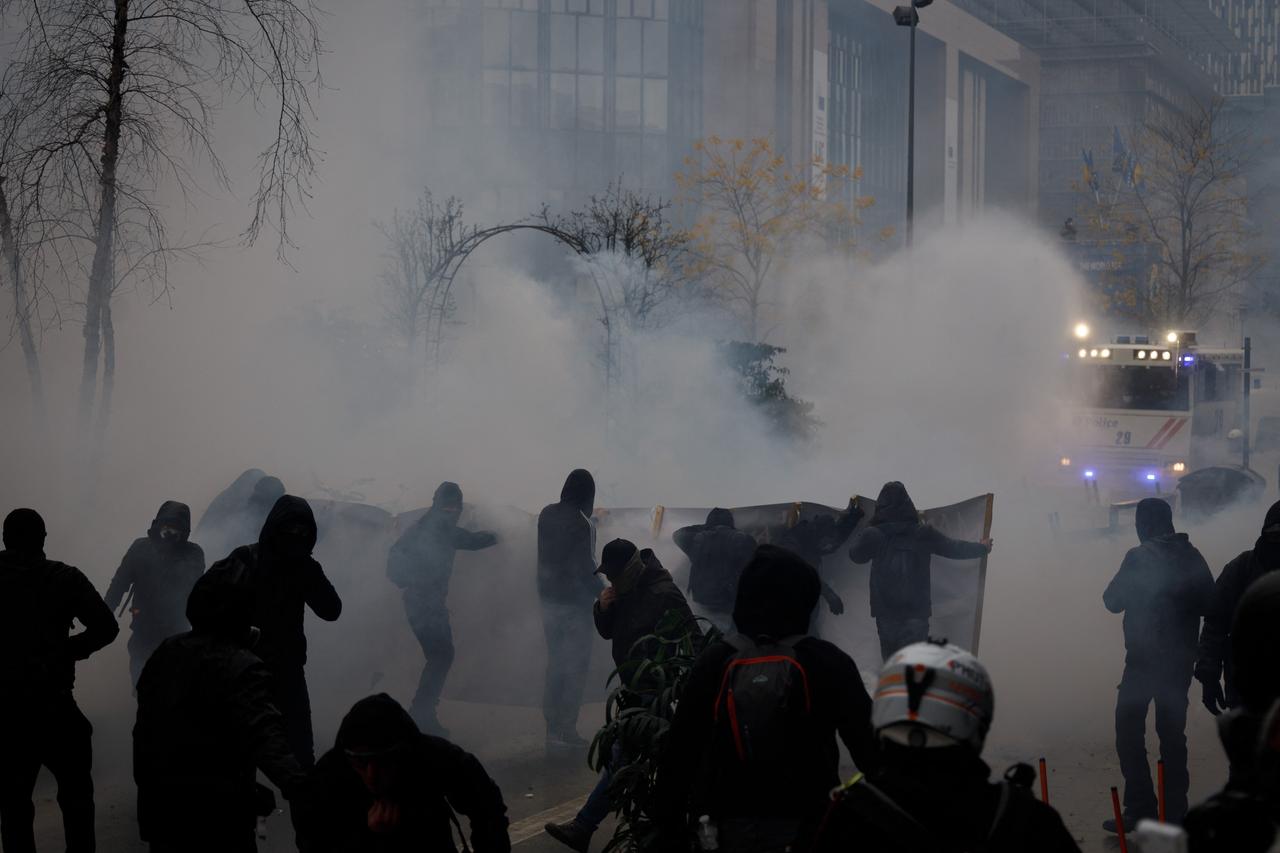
[{"x": 170, "y": 534}]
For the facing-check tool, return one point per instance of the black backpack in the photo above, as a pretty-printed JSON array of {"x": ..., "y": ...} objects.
[{"x": 764, "y": 704}]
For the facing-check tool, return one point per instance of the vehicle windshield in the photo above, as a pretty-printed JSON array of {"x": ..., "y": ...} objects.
[{"x": 1110, "y": 386}]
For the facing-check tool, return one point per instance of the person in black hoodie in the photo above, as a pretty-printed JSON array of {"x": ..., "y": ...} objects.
[
  {"x": 286, "y": 580},
  {"x": 814, "y": 539},
  {"x": 421, "y": 563},
  {"x": 1243, "y": 817},
  {"x": 776, "y": 597},
  {"x": 158, "y": 572},
  {"x": 206, "y": 724},
  {"x": 900, "y": 548},
  {"x": 567, "y": 587},
  {"x": 1213, "y": 663},
  {"x": 1163, "y": 587},
  {"x": 39, "y": 718},
  {"x": 387, "y": 788},
  {"x": 639, "y": 597},
  {"x": 717, "y": 553},
  {"x": 236, "y": 515}
]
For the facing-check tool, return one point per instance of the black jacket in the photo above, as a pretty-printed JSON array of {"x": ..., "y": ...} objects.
[
  {"x": 1163, "y": 587},
  {"x": 900, "y": 554},
  {"x": 950, "y": 806},
  {"x": 206, "y": 724},
  {"x": 1213, "y": 658},
  {"x": 717, "y": 554},
  {"x": 39, "y": 598},
  {"x": 816, "y": 538},
  {"x": 161, "y": 574},
  {"x": 421, "y": 561},
  {"x": 566, "y": 545},
  {"x": 776, "y": 597},
  {"x": 636, "y": 614},
  {"x": 283, "y": 585},
  {"x": 435, "y": 780}
]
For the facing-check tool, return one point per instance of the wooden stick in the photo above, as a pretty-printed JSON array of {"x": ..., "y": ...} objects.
[
  {"x": 1160, "y": 787},
  {"x": 1044, "y": 782},
  {"x": 1115, "y": 806}
]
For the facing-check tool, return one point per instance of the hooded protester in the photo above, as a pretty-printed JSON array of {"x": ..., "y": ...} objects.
[
  {"x": 39, "y": 718},
  {"x": 206, "y": 725},
  {"x": 286, "y": 580},
  {"x": 900, "y": 549},
  {"x": 641, "y": 595},
  {"x": 816, "y": 538},
  {"x": 1163, "y": 587},
  {"x": 236, "y": 515},
  {"x": 158, "y": 572},
  {"x": 932, "y": 792},
  {"x": 717, "y": 553},
  {"x": 387, "y": 788},
  {"x": 762, "y": 771},
  {"x": 1243, "y": 817},
  {"x": 1213, "y": 662},
  {"x": 421, "y": 564},
  {"x": 567, "y": 587}
]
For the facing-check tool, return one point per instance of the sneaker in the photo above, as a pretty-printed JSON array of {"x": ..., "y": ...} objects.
[
  {"x": 566, "y": 740},
  {"x": 573, "y": 835},
  {"x": 1130, "y": 823}
]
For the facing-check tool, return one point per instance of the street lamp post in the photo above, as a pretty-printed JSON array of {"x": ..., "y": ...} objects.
[{"x": 907, "y": 16}]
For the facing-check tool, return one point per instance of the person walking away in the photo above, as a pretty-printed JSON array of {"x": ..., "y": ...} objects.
[
  {"x": 1163, "y": 587},
  {"x": 566, "y": 589},
  {"x": 206, "y": 725},
  {"x": 932, "y": 792},
  {"x": 285, "y": 580},
  {"x": 1213, "y": 663},
  {"x": 752, "y": 745},
  {"x": 900, "y": 549},
  {"x": 641, "y": 596},
  {"x": 387, "y": 787},
  {"x": 41, "y": 722},
  {"x": 157, "y": 574},
  {"x": 717, "y": 553},
  {"x": 421, "y": 564}
]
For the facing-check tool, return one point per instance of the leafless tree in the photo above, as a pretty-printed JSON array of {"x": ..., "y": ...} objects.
[
  {"x": 121, "y": 97},
  {"x": 421, "y": 246},
  {"x": 1179, "y": 185}
]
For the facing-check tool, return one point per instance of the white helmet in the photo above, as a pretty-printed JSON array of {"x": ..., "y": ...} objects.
[{"x": 933, "y": 694}]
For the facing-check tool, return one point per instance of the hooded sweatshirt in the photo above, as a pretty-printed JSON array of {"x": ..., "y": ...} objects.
[
  {"x": 717, "y": 554},
  {"x": 1163, "y": 587},
  {"x": 39, "y": 599},
  {"x": 636, "y": 613},
  {"x": 421, "y": 561},
  {"x": 206, "y": 724},
  {"x": 566, "y": 545},
  {"x": 161, "y": 573},
  {"x": 285, "y": 580},
  {"x": 776, "y": 595},
  {"x": 1213, "y": 660},
  {"x": 434, "y": 779},
  {"x": 900, "y": 549}
]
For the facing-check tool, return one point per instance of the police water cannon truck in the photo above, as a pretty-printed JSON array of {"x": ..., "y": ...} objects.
[{"x": 1144, "y": 411}]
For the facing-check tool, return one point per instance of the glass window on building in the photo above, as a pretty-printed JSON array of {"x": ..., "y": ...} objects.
[
  {"x": 655, "y": 105},
  {"x": 563, "y": 108},
  {"x": 496, "y": 38},
  {"x": 591, "y": 45},
  {"x": 629, "y": 41},
  {"x": 524, "y": 40},
  {"x": 655, "y": 48},
  {"x": 591, "y": 102},
  {"x": 564, "y": 48},
  {"x": 494, "y": 98},
  {"x": 524, "y": 99},
  {"x": 628, "y": 103}
]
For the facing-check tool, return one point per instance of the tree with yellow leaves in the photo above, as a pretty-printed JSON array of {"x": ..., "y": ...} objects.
[{"x": 755, "y": 211}]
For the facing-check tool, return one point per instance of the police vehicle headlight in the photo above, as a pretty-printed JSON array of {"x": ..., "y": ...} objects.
[
  {"x": 1142, "y": 354},
  {"x": 1082, "y": 330},
  {"x": 1179, "y": 467},
  {"x": 1172, "y": 337},
  {"x": 1166, "y": 355},
  {"x": 1065, "y": 462},
  {"x": 1093, "y": 353},
  {"x": 1083, "y": 353},
  {"x": 1106, "y": 353}
]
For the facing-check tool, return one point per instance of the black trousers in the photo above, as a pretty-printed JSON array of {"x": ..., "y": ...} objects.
[
  {"x": 293, "y": 700},
  {"x": 899, "y": 633},
  {"x": 59, "y": 737},
  {"x": 429, "y": 620},
  {"x": 1166, "y": 687},
  {"x": 568, "y": 629}
]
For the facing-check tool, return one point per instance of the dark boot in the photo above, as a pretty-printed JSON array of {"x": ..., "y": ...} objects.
[{"x": 573, "y": 835}]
